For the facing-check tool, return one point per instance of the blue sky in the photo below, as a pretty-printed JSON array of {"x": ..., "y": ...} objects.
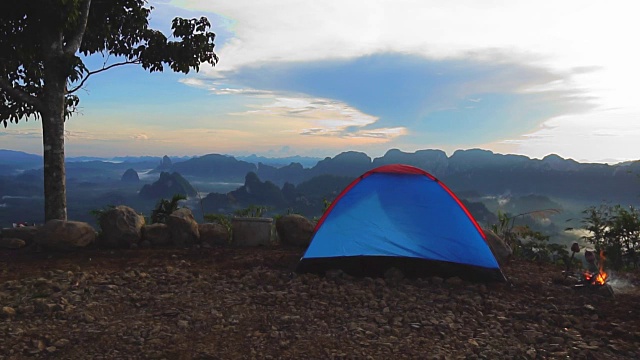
[{"x": 318, "y": 78}]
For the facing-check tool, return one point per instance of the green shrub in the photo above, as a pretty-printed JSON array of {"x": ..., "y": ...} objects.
[
  {"x": 221, "y": 219},
  {"x": 164, "y": 208},
  {"x": 251, "y": 211},
  {"x": 615, "y": 230}
]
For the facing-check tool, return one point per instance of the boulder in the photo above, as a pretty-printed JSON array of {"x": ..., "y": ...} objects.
[
  {"x": 121, "y": 227},
  {"x": 11, "y": 243},
  {"x": 214, "y": 234},
  {"x": 26, "y": 233},
  {"x": 294, "y": 230},
  {"x": 65, "y": 235},
  {"x": 183, "y": 228},
  {"x": 156, "y": 234},
  {"x": 501, "y": 250}
]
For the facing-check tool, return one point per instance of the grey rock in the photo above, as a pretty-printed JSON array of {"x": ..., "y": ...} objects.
[
  {"x": 65, "y": 235},
  {"x": 26, "y": 233},
  {"x": 121, "y": 227},
  {"x": 501, "y": 250},
  {"x": 214, "y": 234},
  {"x": 183, "y": 228},
  {"x": 294, "y": 230},
  {"x": 12, "y": 243},
  {"x": 156, "y": 234}
]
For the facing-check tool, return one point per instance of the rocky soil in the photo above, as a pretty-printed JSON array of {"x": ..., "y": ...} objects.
[{"x": 246, "y": 303}]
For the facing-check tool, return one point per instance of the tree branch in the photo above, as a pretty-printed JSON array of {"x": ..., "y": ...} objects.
[
  {"x": 73, "y": 44},
  {"x": 135, "y": 61},
  {"x": 20, "y": 95}
]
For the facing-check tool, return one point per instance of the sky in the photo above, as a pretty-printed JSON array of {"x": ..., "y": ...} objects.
[{"x": 316, "y": 78}]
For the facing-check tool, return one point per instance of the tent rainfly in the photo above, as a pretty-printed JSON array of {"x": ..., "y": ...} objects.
[{"x": 400, "y": 216}]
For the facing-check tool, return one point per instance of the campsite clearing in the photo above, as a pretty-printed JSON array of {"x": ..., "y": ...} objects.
[{"x": 246, "y": 303}]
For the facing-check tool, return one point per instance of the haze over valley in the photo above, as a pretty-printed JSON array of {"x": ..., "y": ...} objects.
[{"x": 214, "y": 183}]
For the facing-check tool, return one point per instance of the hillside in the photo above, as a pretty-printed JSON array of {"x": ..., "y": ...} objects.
[{"x": 246, "y": 303}]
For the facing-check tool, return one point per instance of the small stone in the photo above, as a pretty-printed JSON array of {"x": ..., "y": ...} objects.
[
  {"x": 531, "y": 353},
  {"x": 8, "y": 311},
  {"x": 454, "y": 281},
  {"x": 51, "y": 349},
  {"x": 556, "y": 340},
  {"x": 61, "y": 343},
  {"x": 183, "y": 324}
]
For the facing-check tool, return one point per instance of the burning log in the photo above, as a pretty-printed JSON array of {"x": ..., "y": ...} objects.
[{"x": 595, "y": 280}]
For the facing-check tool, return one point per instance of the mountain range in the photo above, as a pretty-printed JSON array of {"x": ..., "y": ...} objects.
[{"x": 512, "y": 183}]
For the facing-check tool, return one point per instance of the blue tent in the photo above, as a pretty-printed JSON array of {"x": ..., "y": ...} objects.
[{"x": 400, "y": 216}]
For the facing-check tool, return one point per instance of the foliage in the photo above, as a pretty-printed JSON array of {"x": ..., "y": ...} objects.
[
  {"x": 325, "y": 205},
  {"x": 527, "y": 243},
  {"x": 616, "y": 230},
  {"x": 164, "y": 208},
  {"x": 255, "y": 211},
  {"x": 289, "y": 211},
  {"x": 534, "y": 245},
  {"x": 506, "y": 226},
  {"x": 221, "y": 219},
  {"x": 38, "y": 37},
  {"x": 99, "y": 213}
]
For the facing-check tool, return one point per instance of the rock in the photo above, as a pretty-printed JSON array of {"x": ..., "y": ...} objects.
[
  {"x": 183, "y": 228},
  {"x": 65, "y": 235},
  {"x": 26, "y": 233},
  {"x": 156, "y": 234},
  {"x": 393, "y": 276},
  {"x": 12, "y": 243},
  {"x": 294, "y": 230},
  {"x": 214, "y": 234},
  {"x": 8, "y": 311},
  {"x": 121, "y": 227},
  {"x": 501, "y": 250},
  {"x": 454, "y": 281}
]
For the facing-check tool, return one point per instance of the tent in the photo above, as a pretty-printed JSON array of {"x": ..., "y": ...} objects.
[{"x": 400, "y": 216}]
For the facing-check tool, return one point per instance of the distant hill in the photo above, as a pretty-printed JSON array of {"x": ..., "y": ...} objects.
[
  {"x": 215, "y": 167},
  {"x": 167, "y": 186},
  {"x": 467, "y": 171},
  {"x": 305, "y": 161},
  {"x": 12, "y": 161}
]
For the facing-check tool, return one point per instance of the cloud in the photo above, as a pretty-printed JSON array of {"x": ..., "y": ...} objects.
[
  {"x": 24, "y": 133},
  {"x": 140, "y": 137},
  {"x": 211, "y": 85},
  {"x": 467, "y": 101},
  {"x": 328, "y": 118}
]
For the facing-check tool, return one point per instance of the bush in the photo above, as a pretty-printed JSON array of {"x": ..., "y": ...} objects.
[
  {"x": 219, "y": 219},
  {"x": 527, "y": 243},
  {"x": 615, "y": 230},
  {"x": 164, "y": 208}
]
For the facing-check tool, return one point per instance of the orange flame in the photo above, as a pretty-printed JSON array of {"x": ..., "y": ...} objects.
[{"x": 601, "y": 277}]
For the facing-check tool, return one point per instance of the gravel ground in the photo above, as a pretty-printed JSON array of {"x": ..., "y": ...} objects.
[{"x": 246, "y": 303}]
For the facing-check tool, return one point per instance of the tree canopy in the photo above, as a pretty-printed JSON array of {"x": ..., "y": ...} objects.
[
  {"x": 34, "y": 32},
  {"x": 42, "y": 46}
]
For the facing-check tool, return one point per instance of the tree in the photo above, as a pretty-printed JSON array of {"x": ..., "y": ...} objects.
[{"x": 41, "y": 68}]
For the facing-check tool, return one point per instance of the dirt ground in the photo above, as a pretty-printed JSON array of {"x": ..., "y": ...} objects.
[{"x": 247, "y": 303}]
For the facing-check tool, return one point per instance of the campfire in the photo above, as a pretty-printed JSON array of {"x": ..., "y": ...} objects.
[
  {"x": 595, "y": 280},
  {"x": 599, "y": 278}
]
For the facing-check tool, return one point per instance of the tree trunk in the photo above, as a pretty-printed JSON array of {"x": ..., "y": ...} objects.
[{"x": 55, "y": 194}]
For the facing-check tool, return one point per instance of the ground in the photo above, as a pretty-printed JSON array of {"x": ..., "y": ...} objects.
[{"x": 247, "y": 303}]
